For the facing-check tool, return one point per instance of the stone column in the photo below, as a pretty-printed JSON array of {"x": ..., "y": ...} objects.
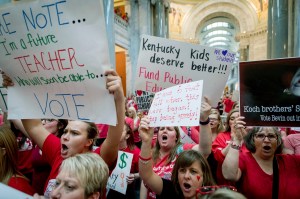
[
  {"x": 145, "y": 16},
  {"x": 297, "y": 28},
  {"x": 159, "y": 19},
  {"x": 277, "y": 29}
]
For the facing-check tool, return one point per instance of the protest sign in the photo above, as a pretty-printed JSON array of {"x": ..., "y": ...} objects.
[
  {"x": 177, "y": 106},
  {"x": 117, "y": 179},
  {"x": 56, "y": 54},
  {"x": 163, "y": 63},
  {"x": 9, "y": 193},
  {"x": 270, "y": 92},
  {"x": 143, "y": 100},
  {"x": 3, "y": 97}
]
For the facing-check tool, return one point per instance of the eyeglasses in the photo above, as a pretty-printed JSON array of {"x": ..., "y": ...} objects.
[
  {"x": 48, "y": 120},
  {"x": 206, "y": 190},
  {"x": 261, "y": 136},
  {"x": 213, "y": 119}
]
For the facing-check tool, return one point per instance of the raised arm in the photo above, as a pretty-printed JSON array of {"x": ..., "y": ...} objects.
[
  {"x": 151, "y": 179},
  {"x": 110, "y": 147},
  {"x": 204, "y": 146},
  {"x": 36, "y": 131},
  {"x": 230, "y": 167}
]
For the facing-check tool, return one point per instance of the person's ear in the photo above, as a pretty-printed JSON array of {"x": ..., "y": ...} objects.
[{"x": 95, "y": 195}]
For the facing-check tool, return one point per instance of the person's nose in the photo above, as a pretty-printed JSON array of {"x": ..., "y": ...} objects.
[
  {"x": 56, "y": 193},
  {"x": 65, "y": 136},
  {"x": 187, "y": 175}
]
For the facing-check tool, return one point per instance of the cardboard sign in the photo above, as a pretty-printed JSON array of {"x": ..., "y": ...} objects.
[
  {"x": 117, "y": 179},
  {"x": 143, "y": 100},
  {"x": 56, "y": 54},
  {"x": 177, "y": 106},
  {"x": 9, "y": 193},
  {"x": 270, "y": 92},
  {"x": 163, "y": 63}
]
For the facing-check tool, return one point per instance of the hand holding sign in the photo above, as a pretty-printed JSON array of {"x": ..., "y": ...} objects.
[{"x": 178, "y": 106}]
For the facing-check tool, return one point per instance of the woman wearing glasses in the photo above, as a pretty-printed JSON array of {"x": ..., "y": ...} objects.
[
  {"x": 257, "y": 171},
  {"x": 222, "y": 143}
]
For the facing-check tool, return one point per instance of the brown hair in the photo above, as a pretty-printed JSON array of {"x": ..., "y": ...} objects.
[
  {"x": 186, "y": 159},
  {"x": 173, "y": 152},
  {"x": 130, "y": 140},
  {"x": 9, "y": 160}
]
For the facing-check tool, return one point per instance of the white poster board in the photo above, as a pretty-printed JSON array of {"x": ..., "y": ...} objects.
[
  {"x": 177, "y": 106},
  {"x": 11, "y": 193},
  {"x": 3, "y": 96},
  {"x": 163, "y": 63},
  {"x": 56, "y": 53},
  {"x": 117, "y": 179}
]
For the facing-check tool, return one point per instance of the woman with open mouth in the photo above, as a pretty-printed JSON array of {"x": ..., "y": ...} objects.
[
  {"x": 263, "y": 171},
  {"x": 78, "y": 136},
  {"x": 161, "y": 162}
]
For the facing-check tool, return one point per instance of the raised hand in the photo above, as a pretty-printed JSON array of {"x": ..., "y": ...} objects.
[{"x": 146, "y": 132}]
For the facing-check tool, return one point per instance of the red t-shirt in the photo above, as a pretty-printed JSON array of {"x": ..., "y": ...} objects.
[
  {"x": 228, "y": 105},
  {"x": 165, "y": 171},
  {"x": 218, "y": 145},
  {"x": 25, "y": 155},
  {"x": 103, "y": 129},
  {"x": 52, "y": 154},
  {"x": 289, "y": 176},
  {"x": 21, "y": 184},
  {"x": 254, "y": 183},
  {"x": 135, "y": 160}
]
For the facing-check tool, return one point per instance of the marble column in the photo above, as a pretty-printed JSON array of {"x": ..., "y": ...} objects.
[
  {"x": 108, "y": 6},
  {"x": 134, "y": 34},
  {"x": 296, "y": 28},
  {"x": 160, "y": 21},
  {"x": 277, "y": 29},
  {"x": 145, "y": 17}
]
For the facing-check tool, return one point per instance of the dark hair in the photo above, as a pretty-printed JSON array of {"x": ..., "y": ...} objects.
[
  {"x": 92, "y": 132},
  {"x": 186, "y": 159},
  {"x": 61, "y": 125},
  {"x": 249, "y": 139},
  {"x": 228, "y": 128}
]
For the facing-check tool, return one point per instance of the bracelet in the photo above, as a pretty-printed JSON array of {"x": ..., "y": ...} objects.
[
  {"x": 144, "y": 162},
  {"x": 145, "y": 159},
  {"x": 205, "y": 123}
]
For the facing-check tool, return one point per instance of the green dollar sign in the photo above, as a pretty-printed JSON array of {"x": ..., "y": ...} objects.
[{"x": 123, "y": 164}]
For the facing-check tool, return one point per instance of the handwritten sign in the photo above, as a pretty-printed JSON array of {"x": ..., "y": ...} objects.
[
  {"x": 270, "y": 92},
  {"x": 143, "y": 100},
  {"x": 56, "y": 54},
  {"x": 177, "y": 106},
  {"x": 117, "y": 179},
  {"x": 163, "y": 63},
  {"x": 3, "y": 96},
  {"x": 8, "y": 193}
]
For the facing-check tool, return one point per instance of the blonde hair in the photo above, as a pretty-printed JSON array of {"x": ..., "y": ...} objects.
[
  {"x": 220, "y": 125},
  {"x": 9, "y": 159},
  {"x": 90, "y": 169}
]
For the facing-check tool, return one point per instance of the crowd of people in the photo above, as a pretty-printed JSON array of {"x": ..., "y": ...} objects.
[{"x": 55, "y": 158}]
